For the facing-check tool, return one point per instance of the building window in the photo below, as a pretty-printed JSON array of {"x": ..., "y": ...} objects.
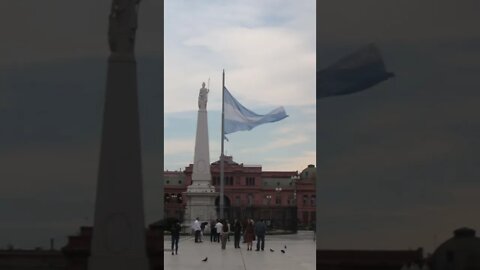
[
  {"x": 305, "y": 200},
  {"x": 450, "y": 256},
  {"x": 237, "y": 200},
  {"x": 250, "y": 181},
  {"x": 290, "y": 200},
  {"x": 250, "y": 199},
  {"x": 228, "y": 180},
  {"x": 305, "y": 217},
  {"x": 278, "y": 199},
  {"x": 312, "y": 200}
]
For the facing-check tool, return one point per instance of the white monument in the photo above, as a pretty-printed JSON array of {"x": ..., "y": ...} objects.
[
  {"x": 200, "y": 195},
  {"x": 118, "y": 240}
]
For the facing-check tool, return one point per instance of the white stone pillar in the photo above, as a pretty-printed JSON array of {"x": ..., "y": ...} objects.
[
  {"x": 118, "y": 240},
  {"x": 200, "y": 195}
]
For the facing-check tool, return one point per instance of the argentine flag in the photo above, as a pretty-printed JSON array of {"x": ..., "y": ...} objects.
[
  {"x": 237, "y": 117},
  {"x": 353, "y": 73}
]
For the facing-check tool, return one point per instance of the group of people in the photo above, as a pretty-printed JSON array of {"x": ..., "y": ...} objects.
[{"x": 220, "y": 231}]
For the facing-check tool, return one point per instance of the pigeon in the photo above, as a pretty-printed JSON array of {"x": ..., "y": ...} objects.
[
  {"x": 272, "y": 250},
  {"x": 204, "y": 260},
  {"x": 283, "y": 251}
]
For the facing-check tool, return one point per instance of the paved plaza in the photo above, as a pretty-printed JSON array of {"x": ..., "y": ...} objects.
[{"x": 299, "y": 254}]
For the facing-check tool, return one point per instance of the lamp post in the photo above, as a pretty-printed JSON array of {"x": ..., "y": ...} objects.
[
  {"x": 278, "y": 190},
  {"x": 268, "y": 197},
  {"x": 295, "y": 178}
]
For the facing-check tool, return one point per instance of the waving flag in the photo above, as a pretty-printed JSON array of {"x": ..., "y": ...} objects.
[
  {"x": 355, "y": 72},
  {"x": 237, "y": 117}
]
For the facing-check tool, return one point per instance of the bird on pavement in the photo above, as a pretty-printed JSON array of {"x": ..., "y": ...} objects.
[
  {"x": 272, "y": 250},
  {"x": 285, "y": 246},
  {"x": 204, "y": 260},
  {"x": 283, "y": 251}
]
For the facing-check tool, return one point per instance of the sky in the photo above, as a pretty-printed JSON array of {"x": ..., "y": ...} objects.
[
  {"x": 398, "y": 163},
  {"x": 267, "y": 49}
]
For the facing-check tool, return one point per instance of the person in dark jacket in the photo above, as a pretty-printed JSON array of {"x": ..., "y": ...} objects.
[
  {"x": 213, "y": 232},
  {"x": 237, "y": 229},
  {"x": 260, "y": 231},
  {"x": 175, "y": 230},
  {"x": 224, "y": 233}
]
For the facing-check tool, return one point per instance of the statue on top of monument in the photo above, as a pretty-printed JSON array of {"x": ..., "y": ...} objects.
[
  {"x": 203, "y": 97},
  {"x": 122, "y": 26}
]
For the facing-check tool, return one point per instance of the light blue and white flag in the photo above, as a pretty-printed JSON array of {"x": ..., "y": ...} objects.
[
  {"x": 353, "y": 73},
  {"x": 237, "y": 117}
]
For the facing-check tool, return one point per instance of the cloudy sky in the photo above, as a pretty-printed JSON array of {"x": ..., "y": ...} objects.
[
  {"x": 399, "y": 164},
  {"x": 267, "y": 49}
]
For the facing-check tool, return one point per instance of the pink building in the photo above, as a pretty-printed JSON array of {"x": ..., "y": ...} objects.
[{"x": 247, "y": 187}]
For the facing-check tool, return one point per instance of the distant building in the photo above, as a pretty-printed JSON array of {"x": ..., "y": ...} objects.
[
  {"x": 32, "y": 259},
  {"x": 248, "y": 187},
  {"x": 461, "y": 252}
]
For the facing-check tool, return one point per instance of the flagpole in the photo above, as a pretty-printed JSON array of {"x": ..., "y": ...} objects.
[{"x": 221, "y": 155}]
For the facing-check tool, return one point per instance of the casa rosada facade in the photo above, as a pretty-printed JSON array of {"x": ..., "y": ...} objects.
[{"x": 249, "y": 186}]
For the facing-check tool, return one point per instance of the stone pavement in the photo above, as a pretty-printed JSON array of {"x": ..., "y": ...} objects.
[{"x": 299, "y": 255}]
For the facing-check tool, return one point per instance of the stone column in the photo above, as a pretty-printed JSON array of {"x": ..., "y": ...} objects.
[
  {"x": 118, "y": 240},
  {"x": 201, "y": 194}
]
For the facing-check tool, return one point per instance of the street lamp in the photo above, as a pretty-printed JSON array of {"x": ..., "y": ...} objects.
[
  {"x": 268, "y": 197},
  {"x": 278, "y": 199},
  {"x": 295, "y": 178}
]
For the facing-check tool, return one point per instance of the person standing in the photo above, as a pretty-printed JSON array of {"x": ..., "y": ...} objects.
[
  {"x": 196, "y": 229},
  {"x": 213, "y": 232},
  {"x": 249, "y": 234},
  {"x": 260, "y": 230},
  {"x": 229, "y": 229},
  {"x": 219, "y": 228},
  {"x": 225, "y": 233},
  {"x": 175, "y": 231},
  {"x": 237, "y": 229},
  {"x": 202, "y": 229}
]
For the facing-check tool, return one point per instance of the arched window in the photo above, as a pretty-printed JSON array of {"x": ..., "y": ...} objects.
[
  {"x": 237, "y": 200},
  {"x": 278, "y": 199},
  {"x": 250, "y": 199}
]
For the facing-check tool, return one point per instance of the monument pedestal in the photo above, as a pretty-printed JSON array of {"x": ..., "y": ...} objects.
[{"x": 200, "y": 203}]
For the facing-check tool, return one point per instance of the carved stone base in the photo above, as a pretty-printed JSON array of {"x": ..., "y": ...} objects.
[{"x": 199, "y": 204}]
